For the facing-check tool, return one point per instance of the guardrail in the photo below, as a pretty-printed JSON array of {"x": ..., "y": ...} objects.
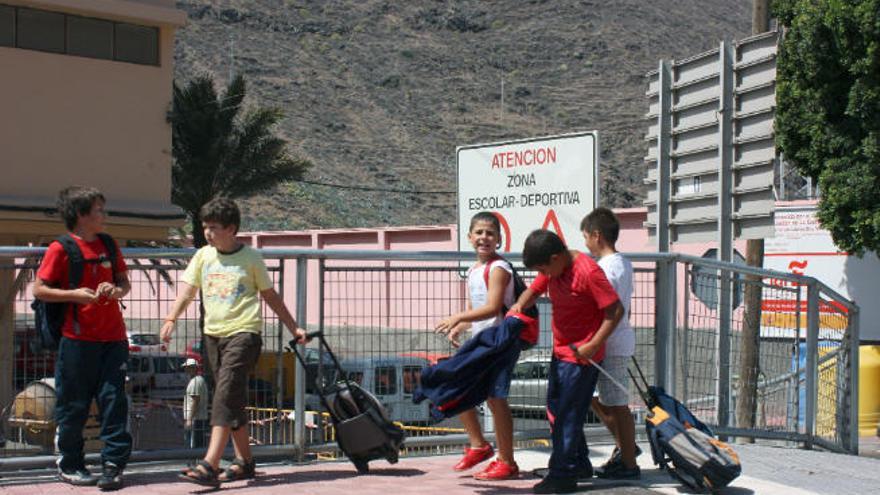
[{"x": 373, "y": 305}]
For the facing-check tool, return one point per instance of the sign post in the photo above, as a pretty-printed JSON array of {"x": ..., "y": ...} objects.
[{"x": 547, "y": 182}]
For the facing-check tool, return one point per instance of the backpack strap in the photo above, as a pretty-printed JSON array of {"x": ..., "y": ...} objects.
[
  {"x": 110, "y": 246},
  {"x": 489, "y": 268},
  {"x": 75, "y": 267}
]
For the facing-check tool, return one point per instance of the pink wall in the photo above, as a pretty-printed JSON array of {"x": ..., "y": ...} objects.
[{"x": 384, "y": 299}]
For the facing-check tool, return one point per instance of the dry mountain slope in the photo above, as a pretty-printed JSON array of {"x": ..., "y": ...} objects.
[{"x": 378, "y": 93}]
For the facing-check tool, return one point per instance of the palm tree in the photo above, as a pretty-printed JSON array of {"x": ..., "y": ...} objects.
[{"x": 221, "y": 151}]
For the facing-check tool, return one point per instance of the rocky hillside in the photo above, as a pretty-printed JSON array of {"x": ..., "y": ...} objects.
[{"x": 378, "y": 93}]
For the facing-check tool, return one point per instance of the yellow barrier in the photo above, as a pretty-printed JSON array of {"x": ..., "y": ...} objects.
[{"x": 869, "y": 385}]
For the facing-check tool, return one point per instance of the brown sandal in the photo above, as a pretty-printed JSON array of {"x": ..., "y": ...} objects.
[
  {"x": 207, "y": 476},
  {"x": 245, "y": 470}
]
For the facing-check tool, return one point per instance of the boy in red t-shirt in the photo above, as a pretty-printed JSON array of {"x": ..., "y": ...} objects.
[
  {"x": 93, "y": 352},
  {"x": 586, "y": 310}
]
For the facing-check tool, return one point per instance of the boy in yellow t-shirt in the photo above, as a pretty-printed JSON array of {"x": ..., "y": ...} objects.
[{"x": 232, "y": 277}]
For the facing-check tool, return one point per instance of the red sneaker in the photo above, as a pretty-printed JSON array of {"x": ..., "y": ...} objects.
[
  {"x": 472, "y": 457},
  {"x": 498, "y": 470}
]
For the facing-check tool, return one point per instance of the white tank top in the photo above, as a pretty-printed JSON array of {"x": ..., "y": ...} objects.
[{"x": 478, "y": 291}]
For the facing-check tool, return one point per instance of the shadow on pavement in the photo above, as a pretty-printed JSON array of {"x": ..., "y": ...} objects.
[{"x": 326, "y": 475}]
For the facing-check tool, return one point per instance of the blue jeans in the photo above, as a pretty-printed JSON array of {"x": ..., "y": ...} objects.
[
  {"x": 85, "y": 371},
  {"x": 569, "y": 392}
]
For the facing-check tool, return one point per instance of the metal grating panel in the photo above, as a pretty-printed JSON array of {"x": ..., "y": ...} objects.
[{"x": 697, "y": 148}]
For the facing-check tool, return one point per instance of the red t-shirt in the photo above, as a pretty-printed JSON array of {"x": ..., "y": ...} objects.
[
  {"x": 579, "y": 296},
  {"x": 97, "y": 322}
]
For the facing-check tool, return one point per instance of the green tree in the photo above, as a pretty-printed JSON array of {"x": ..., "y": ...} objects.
[
  {"x": 221, "y": 149},
  {"x": 828, "y": 110}
]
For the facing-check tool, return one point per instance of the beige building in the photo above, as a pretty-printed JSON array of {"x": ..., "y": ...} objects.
[{"x": 86, "y": 91}]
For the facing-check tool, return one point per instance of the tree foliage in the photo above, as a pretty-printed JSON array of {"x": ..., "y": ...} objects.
[
  {"x": 221, "y": 149},
  {"x": 828, "y": 110}
]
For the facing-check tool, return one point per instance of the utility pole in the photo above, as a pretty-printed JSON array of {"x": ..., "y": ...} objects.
[
  {"x": 746, "y": 400},
  {"x": 502, "y": 96}
]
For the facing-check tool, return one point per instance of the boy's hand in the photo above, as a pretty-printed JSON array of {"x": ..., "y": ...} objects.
[
  {"x": 452, "y": 335},
  {"x": 84, "y": 295},
  {"x": 299, "y": 335},
  {"x": 585, "y": 351},
  {"x": 448, "y": 325},
  {"x": 106, "y": 291},
  {"x": 167, "y": 330},
  {"x": 516, "y": 308}
]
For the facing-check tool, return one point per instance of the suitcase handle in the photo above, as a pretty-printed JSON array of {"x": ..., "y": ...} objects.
[{"x": 322, "y": 342}]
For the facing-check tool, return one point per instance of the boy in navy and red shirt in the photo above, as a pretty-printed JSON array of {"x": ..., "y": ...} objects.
[
  {"x": 93, "y": 352},
  {"x": 586, "y": 310}
]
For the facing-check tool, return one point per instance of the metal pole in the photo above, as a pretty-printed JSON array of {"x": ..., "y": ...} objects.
[
  {"x": 665, "y": 301},
  {"x": 672, "y": 288},
  {"x": 279, "y": 355},
  {"x": 664, "y": 142},
  {"x": 812, "y": 370},
  {"x": 854, "y": 339},
  {"x": 685, "y": 337},
  {"x": 299, "y": 427},
  {"x": 725, "y": 229}
]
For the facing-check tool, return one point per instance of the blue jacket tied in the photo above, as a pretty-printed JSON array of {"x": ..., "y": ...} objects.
[{"x": 465, "y": 380}]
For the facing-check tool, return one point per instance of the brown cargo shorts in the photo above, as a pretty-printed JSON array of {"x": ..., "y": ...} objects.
[{"x": 231, "y": 359}]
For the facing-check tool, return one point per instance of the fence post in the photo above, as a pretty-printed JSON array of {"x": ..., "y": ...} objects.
[
  {"x": 666, "y": 304},
  {"x": 854, "y": 339},
  {"x": 812, "y": 371},
  {"x": 299, "y": 404},
  {"x": 725, "y": 228},
  {"x": 279, "y": 355}
]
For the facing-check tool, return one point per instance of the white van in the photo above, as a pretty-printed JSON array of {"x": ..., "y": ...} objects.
[
  {"x": 157, "y": 375},
  {"x": 392, "y": 379}
]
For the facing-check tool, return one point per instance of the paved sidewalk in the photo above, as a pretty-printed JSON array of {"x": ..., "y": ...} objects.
[{"x": 766, "y": 470}]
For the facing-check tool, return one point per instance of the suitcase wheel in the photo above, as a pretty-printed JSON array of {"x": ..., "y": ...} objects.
[{"x": 363, "y": 467}]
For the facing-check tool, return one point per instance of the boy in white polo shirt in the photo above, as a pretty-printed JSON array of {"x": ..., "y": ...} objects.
[{"x": 601, "y": 229}]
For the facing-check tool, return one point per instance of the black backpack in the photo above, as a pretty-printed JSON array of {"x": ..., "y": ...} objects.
[{"x": 49, "y": 316}]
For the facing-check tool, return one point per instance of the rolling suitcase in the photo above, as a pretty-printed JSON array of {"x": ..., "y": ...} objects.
[
  {"x": 680, "y": 443},
  {"x": 363, "y": 428}
]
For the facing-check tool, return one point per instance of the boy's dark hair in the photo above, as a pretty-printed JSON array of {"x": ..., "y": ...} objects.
[
  {"x": 605, "y": 221},
  {"x": 223, "y": 211},
  {"x": 540, "y": 245},
  {"x": 74, "y": 201},
  {"x": 485, "y": 216}
]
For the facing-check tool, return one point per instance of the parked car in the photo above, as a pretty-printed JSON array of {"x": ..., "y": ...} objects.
[
  {"x": 157, "y": 375},
  {"x": 528, "y": 386},
  {"x": 145, "y": 342}
]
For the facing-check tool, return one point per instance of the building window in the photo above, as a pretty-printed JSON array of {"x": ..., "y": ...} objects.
[
  {"x": 56, "y": 32},
  {"x": 40, "y": 30},
  {"x": 89, "y": 37},
  {"x": 137, "y": 44},
  {"x": 7, "y": 26}
]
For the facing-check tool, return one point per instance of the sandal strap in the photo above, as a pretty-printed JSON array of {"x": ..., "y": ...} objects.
[
  {"x": 246, "y": 469},
  {"x": 208, "y": 467}
]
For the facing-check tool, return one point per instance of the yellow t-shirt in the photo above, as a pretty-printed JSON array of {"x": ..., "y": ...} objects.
[{"x": 230, "y": 286}]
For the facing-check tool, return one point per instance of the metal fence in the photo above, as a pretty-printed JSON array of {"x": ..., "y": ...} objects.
[{"x": 378, "y": 310}]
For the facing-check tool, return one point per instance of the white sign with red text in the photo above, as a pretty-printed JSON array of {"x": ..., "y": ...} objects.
[
  {"x": 802, "y": 246},
  {"x": 547, "y": 182}
]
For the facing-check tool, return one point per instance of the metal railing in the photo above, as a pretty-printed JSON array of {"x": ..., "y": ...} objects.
[{"x": 378, "y": 310}]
